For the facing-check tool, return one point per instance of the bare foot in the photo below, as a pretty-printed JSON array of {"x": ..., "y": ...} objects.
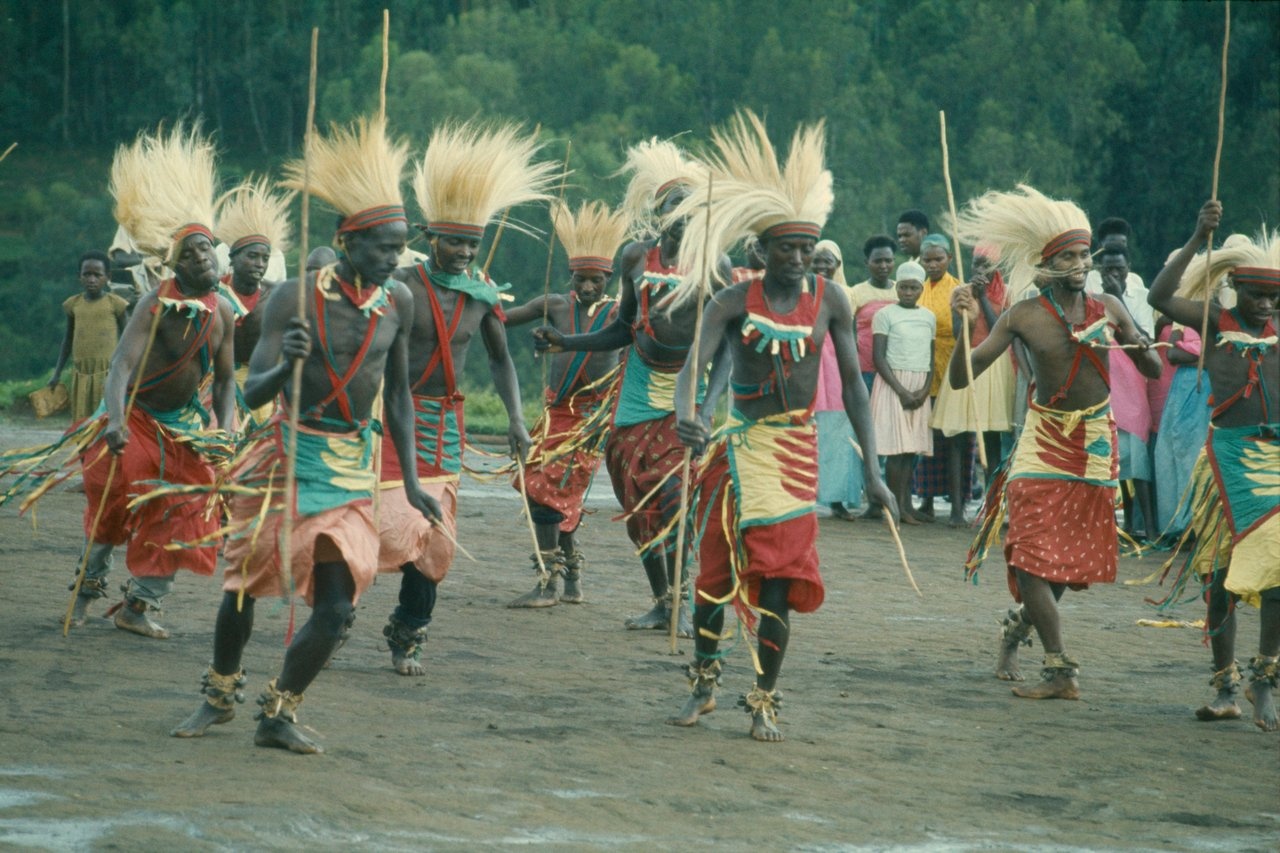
[
  {"x": 1060, "y": 685},
  {"x": 840, "y": 511},
  {"x": 1015, "y": 631},
  {"x": 80, "y": 612},
  {"x": 129, "y": 619},
  {"x": 909, "y": 518},
  {"x": 572, "y": 593},
  {"x": 280, "y": 733},
  {"x": 406, "y": 646},
  {"x": 1262, "y": 684},
  {"x": 542, "y": 595},
  {"x": 698, "y": 703},
  {"x": 198, "y": 723},
  {"x": 922, "y": 517},
  {"x": 763, "y": 728},
  {"x": 1223, "y": 707},
  {"x": 657, "y": 619},
  {"x": 957, "y": 520}
]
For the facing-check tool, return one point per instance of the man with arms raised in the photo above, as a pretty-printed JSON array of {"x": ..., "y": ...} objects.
[
  {"x": 758, "y": 486},
  {"x": 1235, "y": 504}
]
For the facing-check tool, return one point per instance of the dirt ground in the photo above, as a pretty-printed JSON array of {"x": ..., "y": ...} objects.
[{"x": 546, "y": 727}]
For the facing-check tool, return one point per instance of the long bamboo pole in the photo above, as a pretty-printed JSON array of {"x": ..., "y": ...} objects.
[
  {"x": 971, "y": 393},
  {"x": 1217, "y": 163},
  {"x": 687, "y": 462},
  {"x": 382, "y": 85},
  {"x": 295, "y": 395}
]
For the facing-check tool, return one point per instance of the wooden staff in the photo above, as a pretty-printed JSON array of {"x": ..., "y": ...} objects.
[
  {"x": 382, "y": 86},
  {"x": 12, "y": 145},
  {"x": 551, "y": 247},
  {"x": 1217, "y": 162},
  {"x": 528, "y": 517},
  {"x": 111, "y": 469},
  {"x": 893, "y": 528},
  {"x": 971, "y": 395},
  {"x": 295, "y": 396},
  {"x": 493, "y": 247},
  {"x": 687, "y": 462}
]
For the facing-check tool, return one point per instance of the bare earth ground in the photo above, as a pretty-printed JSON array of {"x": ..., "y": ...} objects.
[{"x": 546, "y": 727}]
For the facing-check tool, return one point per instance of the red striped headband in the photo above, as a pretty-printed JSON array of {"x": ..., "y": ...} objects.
[
  {"x": 192, "y": 228},
  {"x": 668, "y": 186},
  {"x": 372, "y": 217},
  {"x": 591, "y": 262},
  {"x": 456, "y": 229},
  {"x": 1063, "y": 240},
  {"x": 1264, "y": 276},
  {"x": 249, "y": 240},
  {"x": 792, "y": 229}
]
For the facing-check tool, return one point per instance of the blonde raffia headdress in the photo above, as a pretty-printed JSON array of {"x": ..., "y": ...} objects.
[
  {"x": 657, "y": 166},
  {"x": 251, "y": 213},
  {"x": 590, "y": 237},
  {"x": 751, "y": 195},
  {"x": 163, "y": 188},
  {"x": 1026, "y": 227},
  {"x": 356, "y": 170},
  {"x": 1250, "y": 261},
  {"x": 471, "y": 171}
]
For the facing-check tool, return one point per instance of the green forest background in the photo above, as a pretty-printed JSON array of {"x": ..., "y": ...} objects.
[{"x": 1110, "y": 102}]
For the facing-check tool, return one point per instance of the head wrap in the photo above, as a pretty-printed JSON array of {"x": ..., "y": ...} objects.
[
  {"x": 830, "y": 246},
  {"x": 935, "y": 239},
  {"x": 1253, "y": 262},
  {"x": 910, "y": 271}
]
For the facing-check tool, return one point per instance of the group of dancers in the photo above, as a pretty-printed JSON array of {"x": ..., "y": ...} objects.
[{"x": 305, "y": 494}]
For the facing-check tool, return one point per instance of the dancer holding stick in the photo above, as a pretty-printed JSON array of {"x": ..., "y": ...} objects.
[
  {"x": 1213, "y": 195},
  {"x": 757, "y": 485},
  {"x": 354, "y": 339},
  {"x": 1060, "y": 485}
]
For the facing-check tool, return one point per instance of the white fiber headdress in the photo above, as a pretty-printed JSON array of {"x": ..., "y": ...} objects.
[
  {"x": 356, "y": 170},
  {"x": 1026, "y": 227},
  {"x": 251, "y": 213},
  {"x": 1250, "y": 261},
  {"x": 750, "y": 194},
  {"x": 657, "y": 166},
  {"x": 163, "y": 188},
  {"x": 470, "y": 172},
  {"x": 592, "y": 236}
]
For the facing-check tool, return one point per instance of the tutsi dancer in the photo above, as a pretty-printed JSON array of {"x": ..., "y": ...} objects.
[
  {"x": 1235, "y": 503},
  {"x": 757, "y": 487},
  {"x": 355, "y": 339},
  {"x": 1060, "y": 485},
  {"x": 467, "y": 175},
  {"x": 570, "y": 437},
  {"x": 643, "y": 454}
]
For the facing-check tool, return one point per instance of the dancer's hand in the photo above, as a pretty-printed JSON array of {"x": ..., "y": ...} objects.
[
  {"x": 116, "y": 438},
  {"x": 693, "y": 434},
  {"x": 518, "y": 439},
  {"x": 547, "y": 339},
  {"x": 425, "y": 504},
  {"x": 1209, "y": 219},
  {"x": 296, "y": 344},
  {"x": 878, "y": 492}
]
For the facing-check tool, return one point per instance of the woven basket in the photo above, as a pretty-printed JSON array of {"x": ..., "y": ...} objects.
[{"x": 48, "y": 401}]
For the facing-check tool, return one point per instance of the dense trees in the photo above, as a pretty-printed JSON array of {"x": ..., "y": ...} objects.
[{"x": 1110, "y": 102}]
